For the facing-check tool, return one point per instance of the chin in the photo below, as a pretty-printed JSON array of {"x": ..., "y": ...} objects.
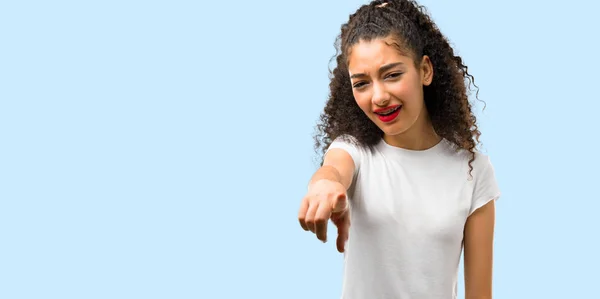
[
  {"x": 393, "y": 132},
  {"x": 392, "y": 129}
]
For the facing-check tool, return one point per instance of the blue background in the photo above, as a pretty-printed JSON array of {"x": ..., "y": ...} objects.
[{"x": 160, "y": 149}]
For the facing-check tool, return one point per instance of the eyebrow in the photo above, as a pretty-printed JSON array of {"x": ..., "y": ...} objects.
[{"x": 382, "y": 69}]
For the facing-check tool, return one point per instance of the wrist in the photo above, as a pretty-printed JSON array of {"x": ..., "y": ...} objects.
[{"x": 317, "y": 182}]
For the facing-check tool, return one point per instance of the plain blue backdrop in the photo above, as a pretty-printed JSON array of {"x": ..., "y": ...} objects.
[{"x": 160, "y": 149}]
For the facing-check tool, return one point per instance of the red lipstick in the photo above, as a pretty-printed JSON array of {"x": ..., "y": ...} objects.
[{"x": 389, "y": 113}]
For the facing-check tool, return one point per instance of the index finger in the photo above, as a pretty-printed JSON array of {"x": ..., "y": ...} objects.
[
  {"x": 321, "y": 220},
  {"x": 302, "y": 214}
]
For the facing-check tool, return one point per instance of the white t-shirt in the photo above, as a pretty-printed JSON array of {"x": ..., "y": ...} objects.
[{"x": 408, "y": 210}]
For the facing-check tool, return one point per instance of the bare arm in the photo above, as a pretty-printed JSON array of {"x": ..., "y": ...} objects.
[
  {"x": 338, "y": 166},
  {"x": 326, "y": 197},
  {"x": 479, "y": 239}
]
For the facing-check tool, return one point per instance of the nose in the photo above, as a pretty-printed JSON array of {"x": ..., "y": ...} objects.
[{"x": 380, "y": 95}]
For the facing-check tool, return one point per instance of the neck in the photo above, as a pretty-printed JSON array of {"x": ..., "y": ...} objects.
[{"x": 417, "y": 138}]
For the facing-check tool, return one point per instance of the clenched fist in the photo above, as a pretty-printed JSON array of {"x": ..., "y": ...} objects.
[{"x": 325, "y": 200}]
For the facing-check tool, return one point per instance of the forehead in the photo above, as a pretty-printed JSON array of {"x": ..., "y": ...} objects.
[{"x": 367, "y": 55}]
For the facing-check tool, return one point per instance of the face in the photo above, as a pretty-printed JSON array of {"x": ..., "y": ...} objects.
[{"x": 388, "y": 87}]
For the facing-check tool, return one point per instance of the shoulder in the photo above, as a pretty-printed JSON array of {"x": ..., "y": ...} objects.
[
  {"x": 352, "y": 146},
  {"x": 483, "y": 177},
  {"x": 482, "y": 162},
  {"x": 346, "y": 142},
  {"x": 479, "y": 161}
]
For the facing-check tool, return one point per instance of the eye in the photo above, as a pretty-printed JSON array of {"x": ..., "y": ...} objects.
[
  {"x": 359, "y": 84},
  {"x": 394, "y": 75}
]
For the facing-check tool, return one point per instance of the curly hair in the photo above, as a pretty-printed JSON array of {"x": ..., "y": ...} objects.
[{"x": 446, "y": 98}]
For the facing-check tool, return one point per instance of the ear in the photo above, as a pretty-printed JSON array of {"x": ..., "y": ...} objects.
[{"x": 426, "y": 70}]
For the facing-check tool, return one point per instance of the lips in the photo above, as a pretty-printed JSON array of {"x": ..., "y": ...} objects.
[{"x": 388, "y": 114}]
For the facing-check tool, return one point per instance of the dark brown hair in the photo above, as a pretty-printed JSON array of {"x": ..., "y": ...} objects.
[{"x": 446, "y": 98}]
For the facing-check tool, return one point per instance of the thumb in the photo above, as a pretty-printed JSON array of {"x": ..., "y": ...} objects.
[{"x": 340, "y": 203}]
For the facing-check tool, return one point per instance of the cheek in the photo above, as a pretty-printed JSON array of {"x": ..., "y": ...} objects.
[
  {"x": 363, "y": 101},
  {"x": 410, "y": 94}
]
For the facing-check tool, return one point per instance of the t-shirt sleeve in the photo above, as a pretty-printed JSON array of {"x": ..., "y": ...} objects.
[
  {"x": 486, "y": 187},
  {"x": 350, "y": 145}
]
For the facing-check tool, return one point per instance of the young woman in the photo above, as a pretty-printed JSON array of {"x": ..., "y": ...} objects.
[{"x": 401, "y": 177}]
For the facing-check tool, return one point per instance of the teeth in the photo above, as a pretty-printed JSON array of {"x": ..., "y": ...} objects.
[{"x": 389, "y": 111}]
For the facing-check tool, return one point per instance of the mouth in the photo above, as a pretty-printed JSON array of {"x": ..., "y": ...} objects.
[{"x": 389, "y": 113}]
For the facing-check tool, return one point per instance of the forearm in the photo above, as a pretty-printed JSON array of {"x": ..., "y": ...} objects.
[{"x": 337, "y": 166}]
